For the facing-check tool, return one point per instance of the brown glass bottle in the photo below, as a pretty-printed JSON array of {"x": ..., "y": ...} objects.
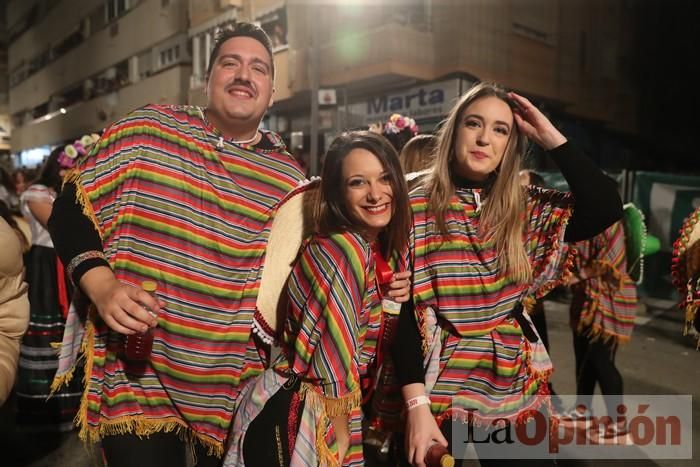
[
  {"x": 439, "y": 456},
  {"x": 138, "y": 346}
]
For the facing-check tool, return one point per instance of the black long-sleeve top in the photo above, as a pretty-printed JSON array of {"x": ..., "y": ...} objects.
[
  {"x": 73, "y": 233},
  {"x": 597, "y": 205}
]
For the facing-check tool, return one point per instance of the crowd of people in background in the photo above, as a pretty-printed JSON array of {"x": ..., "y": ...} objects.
[
  {"x": 414, "y": 299},
  {"x": 13, "y": 184}
]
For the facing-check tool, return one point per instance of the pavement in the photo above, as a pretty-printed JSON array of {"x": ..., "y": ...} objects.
[{"x": 658, "y": 360}]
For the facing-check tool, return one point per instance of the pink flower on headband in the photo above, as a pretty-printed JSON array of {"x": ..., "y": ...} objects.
[
  {"x": 398, "y": 123},
  {"x": 80, "y": 147}
]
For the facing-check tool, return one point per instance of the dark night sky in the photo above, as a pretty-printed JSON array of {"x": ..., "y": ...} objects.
[{"x": 667, "y": 52}]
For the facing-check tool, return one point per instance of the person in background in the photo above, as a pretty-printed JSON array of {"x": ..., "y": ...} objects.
[
  {"x": 417, "y": 155},
  {"x": 398, "y": 129},
  {"x": 8, "y": 190},
  {"x": 14, "y": 304},
  {"x": 20, "y": 177},
  {"x": 482, "y": 246},
  {"x": 685, "y": 271},
  {"x": 602, "y": 312},
  {"x": 49, "y": 296}
]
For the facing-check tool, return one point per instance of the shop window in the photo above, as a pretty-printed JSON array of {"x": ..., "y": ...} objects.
[
  {"x": 72, "y": 41},
  {"x": 115, "y": 8},
  {"x": 169, "y": 56},
  {"x": 275, "y": 25}
]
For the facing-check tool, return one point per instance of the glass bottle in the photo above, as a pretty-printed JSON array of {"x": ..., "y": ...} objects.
[
  {"x": 439, "y": 456},
  {"x": 139, "y": 345}
]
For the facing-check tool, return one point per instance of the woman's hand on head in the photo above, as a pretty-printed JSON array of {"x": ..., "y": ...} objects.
[{"x": 535, "y": 125}]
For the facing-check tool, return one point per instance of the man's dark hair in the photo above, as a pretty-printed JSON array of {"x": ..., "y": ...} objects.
[{"x": 241, "y": 30}]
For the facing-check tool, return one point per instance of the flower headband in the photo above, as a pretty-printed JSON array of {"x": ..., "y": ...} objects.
[
  {"x": 397, "y": 123},
  {"x": 80, "y": 147}
]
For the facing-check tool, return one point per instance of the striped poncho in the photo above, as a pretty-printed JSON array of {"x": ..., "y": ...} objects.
[
  {"x": 330, "y": 342},
  {"x": 610, "y": 295},
  {"x": 177, "y": 204},
  {"x": 477, "y": 359},
  {"x": 685, "y": 271}
]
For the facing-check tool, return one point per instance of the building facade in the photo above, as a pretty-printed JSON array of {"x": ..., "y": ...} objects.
[
  {"x": 415, "y": 57},
  {"x": 75, "y": 66},
  {"x": 375, "y": 57}
]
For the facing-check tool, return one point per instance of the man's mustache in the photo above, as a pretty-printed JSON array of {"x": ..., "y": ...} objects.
[{"x": 241, "y": 83}]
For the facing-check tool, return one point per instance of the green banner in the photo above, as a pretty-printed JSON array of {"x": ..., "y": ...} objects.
[{"x": 666, "y": 200}]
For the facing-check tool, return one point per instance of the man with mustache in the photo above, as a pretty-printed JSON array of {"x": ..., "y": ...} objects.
[{"x": 182, "y": 196}]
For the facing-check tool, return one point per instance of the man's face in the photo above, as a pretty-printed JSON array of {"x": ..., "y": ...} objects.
[{"x": 240, "y": 86}]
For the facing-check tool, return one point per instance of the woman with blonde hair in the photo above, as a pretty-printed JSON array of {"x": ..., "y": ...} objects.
[{"x": 483, "y": 248}]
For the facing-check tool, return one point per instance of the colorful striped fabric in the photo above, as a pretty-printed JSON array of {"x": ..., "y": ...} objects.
[
  {"x": 610, "y": 302},
  {"x": 176, "y": 203},
  {"x": 476, "y": 355},
  {"x": 330, "y": 342}
]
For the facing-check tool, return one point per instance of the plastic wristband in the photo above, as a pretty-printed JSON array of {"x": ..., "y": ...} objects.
[{"x": 414, "y": 402}]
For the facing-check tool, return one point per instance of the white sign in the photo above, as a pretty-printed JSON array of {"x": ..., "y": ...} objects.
[
  {"x": 426, "y": 101},
  {"x": 326, "y": 97}
]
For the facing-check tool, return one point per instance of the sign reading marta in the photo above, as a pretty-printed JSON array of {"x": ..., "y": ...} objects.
[
  {"x": 429, "y": 100},
  {"x": 404, "y": 103}
]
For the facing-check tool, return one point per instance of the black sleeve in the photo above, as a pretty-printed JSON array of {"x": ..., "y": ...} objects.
[
  {"x": 73, "y": 233},
  {"x": 597, "y": 202},
  {"x": 406, "y": 350}
]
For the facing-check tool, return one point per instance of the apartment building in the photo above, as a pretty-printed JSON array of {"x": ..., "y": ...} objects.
[
  {"x": 75, "y": 66},
  {"x": 73, "y": 72},
  {"x": 417, "y": 56}
]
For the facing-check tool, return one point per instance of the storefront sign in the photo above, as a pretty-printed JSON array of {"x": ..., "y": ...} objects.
[{"x": 419, "y": 102}]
